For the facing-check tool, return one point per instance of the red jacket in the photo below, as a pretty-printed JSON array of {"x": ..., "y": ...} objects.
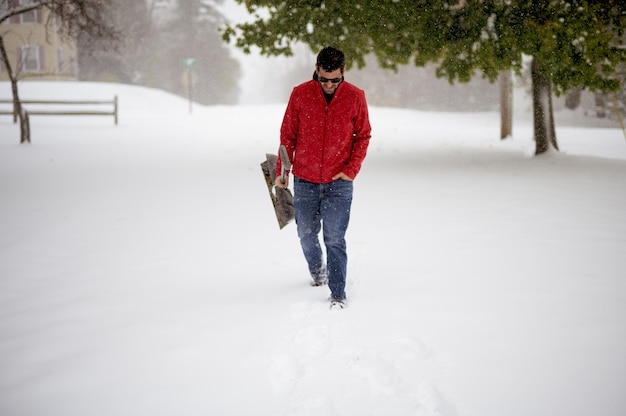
[{"x": 323, "y": 139}]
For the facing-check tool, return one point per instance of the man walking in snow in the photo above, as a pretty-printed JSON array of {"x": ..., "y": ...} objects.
[{"x": 326, "y": 132}]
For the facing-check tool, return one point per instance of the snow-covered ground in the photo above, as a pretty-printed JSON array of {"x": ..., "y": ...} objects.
[{"x": 142, "y": 271}]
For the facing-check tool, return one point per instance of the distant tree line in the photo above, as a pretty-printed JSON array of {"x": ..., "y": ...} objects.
[
  {"x": 408, "y": 87},
  {"x": 419, "y": 88},
  {"x": 158, "y": 39}
]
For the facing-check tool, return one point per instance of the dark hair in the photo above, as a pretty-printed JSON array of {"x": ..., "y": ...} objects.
[{"x": 330, "y": 59}]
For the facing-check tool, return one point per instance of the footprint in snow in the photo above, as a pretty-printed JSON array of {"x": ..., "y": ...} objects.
[
  {"x": 301, "y": 311},
  {"x": 313, "y": 341},
  {"x": 412, "y": 349},
  {"x": 320, "y": 406},
  {"x": 378, "y": 372},
  {"x": 287, "y": 366},
  {"x": 283, "y": 374},
  {"x": 400, "y": 372},
  {"x": 432, "y": 402}
]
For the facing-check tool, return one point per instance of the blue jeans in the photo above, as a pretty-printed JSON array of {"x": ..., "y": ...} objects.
[{"x": 326, "y": 205}]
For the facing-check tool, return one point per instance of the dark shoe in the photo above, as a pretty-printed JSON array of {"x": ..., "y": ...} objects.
[
  {"x": 321, "y": 282},
  {"x": 338, "y": 303},
  {"x": 320, "y": 278}
]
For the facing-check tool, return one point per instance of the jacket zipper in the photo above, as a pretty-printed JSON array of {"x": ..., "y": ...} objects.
[{"x": 324, "y": 141}]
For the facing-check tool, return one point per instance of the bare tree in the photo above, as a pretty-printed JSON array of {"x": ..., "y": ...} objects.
[
  {"x": 74, "y": 16},
  {"x": 127, "y": 62}
]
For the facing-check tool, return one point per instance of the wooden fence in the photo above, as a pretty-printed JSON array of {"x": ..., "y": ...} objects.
[{"x": 65, "y": 104}]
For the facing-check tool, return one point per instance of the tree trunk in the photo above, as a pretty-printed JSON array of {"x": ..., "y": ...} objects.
[
  {"x": 543, "y": 115},
  {"x": 17, "y": 104},
  {"x": 506, "y": 105},
  {"x": 24, "y": 127}
]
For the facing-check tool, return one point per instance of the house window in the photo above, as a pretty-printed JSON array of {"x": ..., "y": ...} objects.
[
  {"x": 4, "y": 9},
  {"x": 31, "y": 58},
  {"x": 31, "y": 16}
]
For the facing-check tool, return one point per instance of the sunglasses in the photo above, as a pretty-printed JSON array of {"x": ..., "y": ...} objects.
[{"x": 333, "y": 80}]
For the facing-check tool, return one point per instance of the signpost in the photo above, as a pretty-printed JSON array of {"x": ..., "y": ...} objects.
[{"x": 188, "y": 63}]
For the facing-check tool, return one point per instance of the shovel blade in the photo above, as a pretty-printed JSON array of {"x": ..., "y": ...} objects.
[{"x": 282, "y": 199}]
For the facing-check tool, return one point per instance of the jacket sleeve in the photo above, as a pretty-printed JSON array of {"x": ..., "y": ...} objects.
[
  {"x": 362, "y": 134},
  {"x": 289, "y": 131}
]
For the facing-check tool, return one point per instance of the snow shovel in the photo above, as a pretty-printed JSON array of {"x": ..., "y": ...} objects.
[{"x": 282, "y": 199}]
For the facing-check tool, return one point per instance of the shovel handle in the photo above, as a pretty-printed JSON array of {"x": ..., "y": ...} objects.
[{"x": 285, "y": 163}]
